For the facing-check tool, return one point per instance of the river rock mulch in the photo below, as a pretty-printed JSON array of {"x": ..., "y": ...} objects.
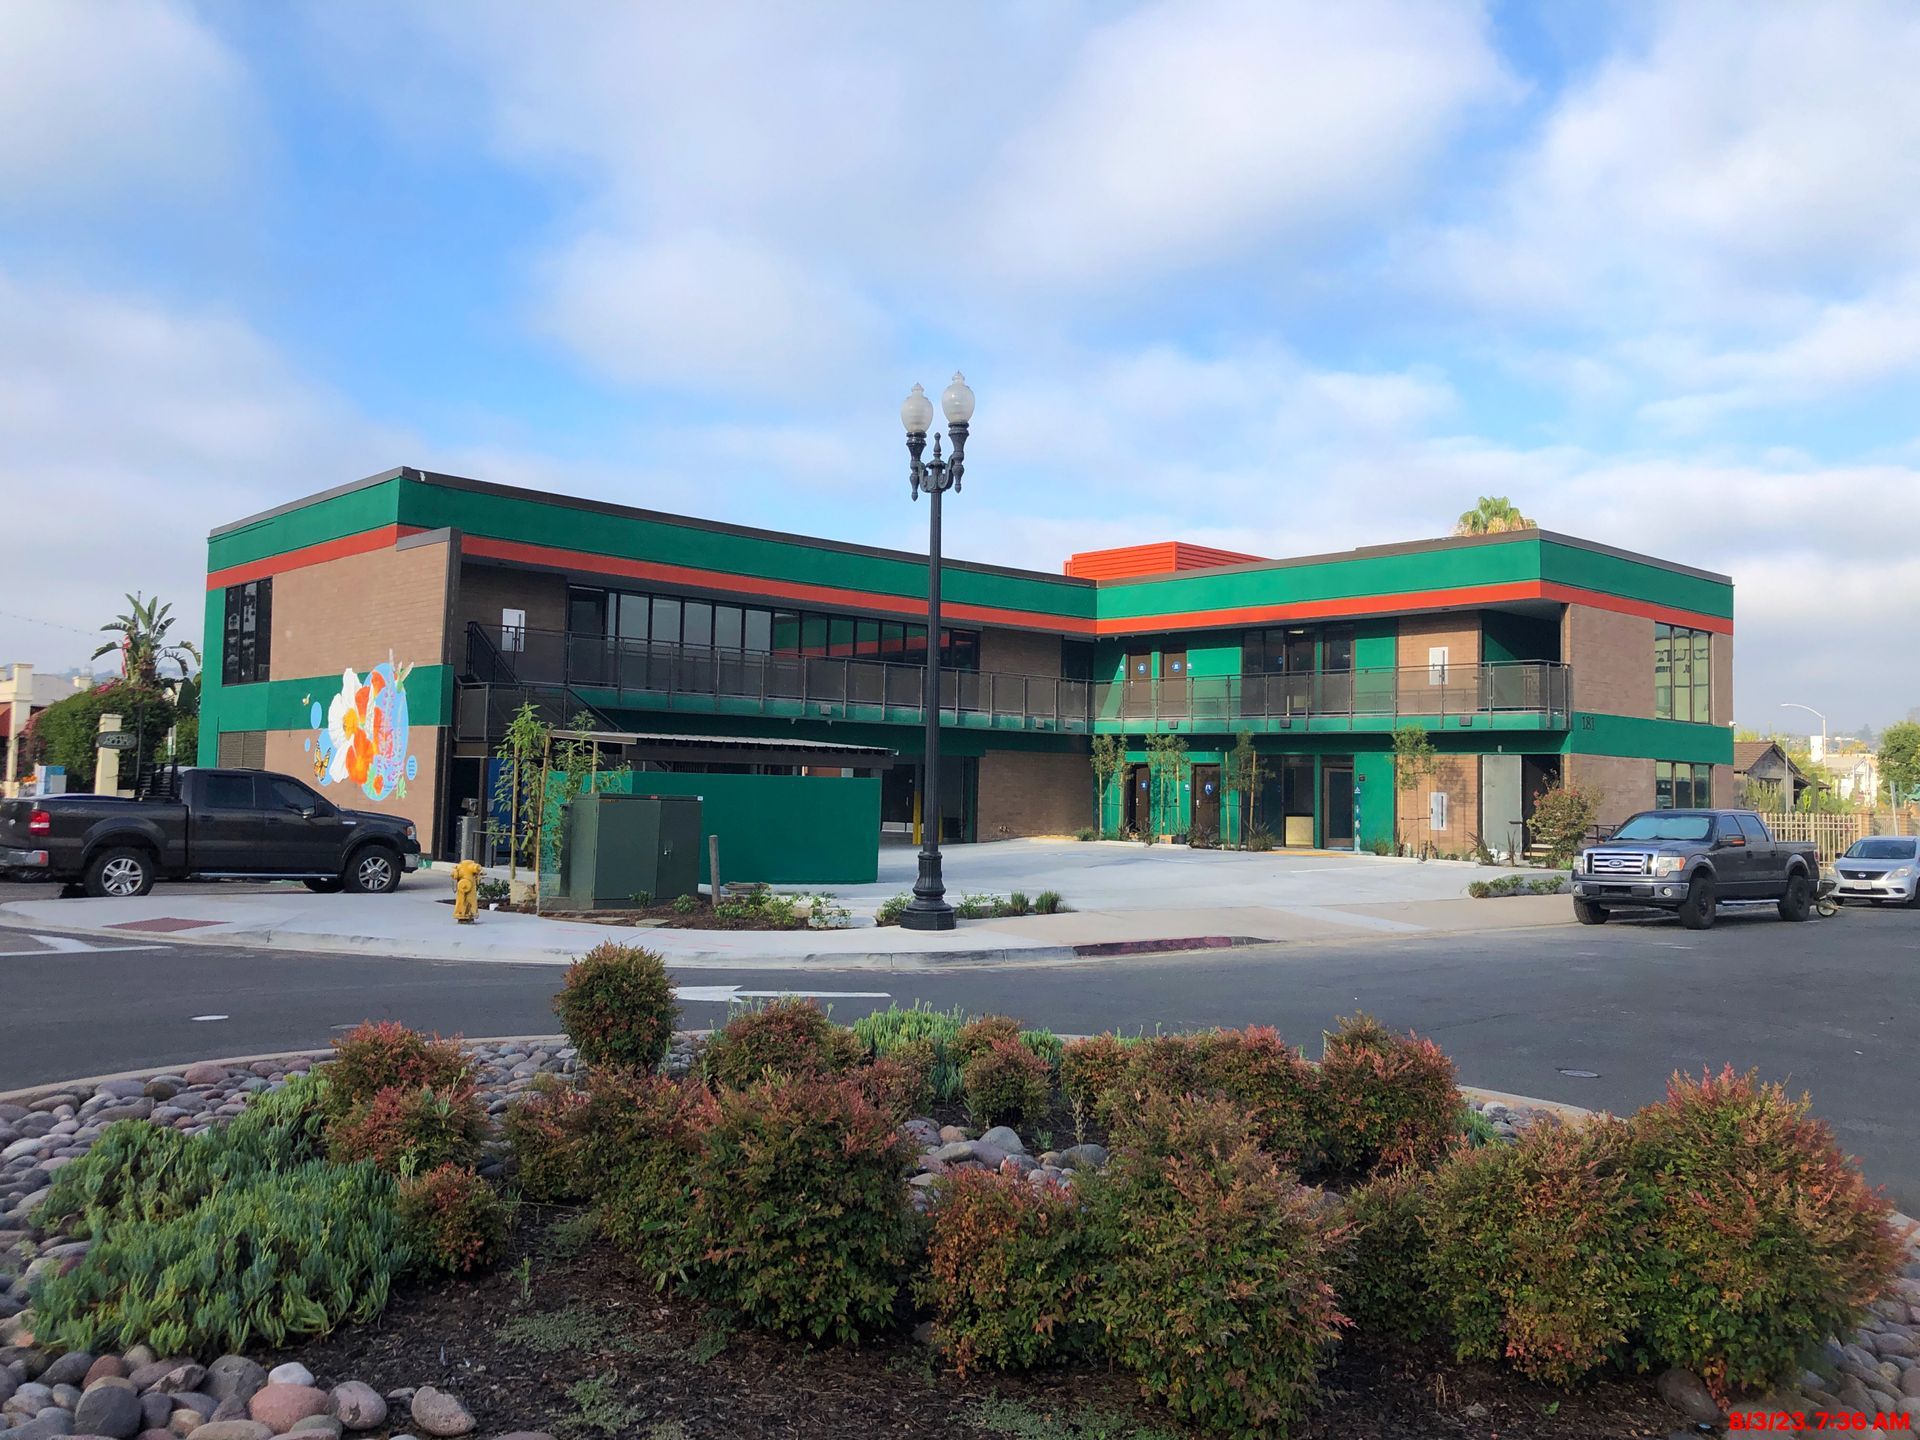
[{"x": 561, "y": 1337}]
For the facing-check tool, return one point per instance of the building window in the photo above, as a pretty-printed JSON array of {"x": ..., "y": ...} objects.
[
  {"x": 1437, "y": 656},
  {"x": 1296, "y": 650},
  {"x": 1682, "y": 674},
  {"x": 245, "y": 654},
  {"x": 1678, "y": 785}
]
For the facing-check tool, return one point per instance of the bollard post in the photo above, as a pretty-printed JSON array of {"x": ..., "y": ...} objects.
[{"x": 713, "y": 867}]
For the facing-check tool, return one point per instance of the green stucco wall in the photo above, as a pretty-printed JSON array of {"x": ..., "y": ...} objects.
[{"x": 780, "y": 829}]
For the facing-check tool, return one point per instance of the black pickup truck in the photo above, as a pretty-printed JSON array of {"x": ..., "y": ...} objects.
[
  {"x": 1689, "y": 861},
  {"x": 210, "y": 824}
]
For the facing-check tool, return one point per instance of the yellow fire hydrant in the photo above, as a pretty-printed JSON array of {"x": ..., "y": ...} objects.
[{"x": 466, "y": 891}]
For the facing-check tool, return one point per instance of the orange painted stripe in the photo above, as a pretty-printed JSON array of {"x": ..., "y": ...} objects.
[
  {"x": 751, "y": 587},
  {"x": 1349, "y": 607},
  {"x": 384, "y": 538}
]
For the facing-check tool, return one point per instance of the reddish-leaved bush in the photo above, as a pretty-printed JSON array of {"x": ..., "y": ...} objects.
[
  {"x": 1218, "y": 1290},
  {"x": 1383, "y": 1284},
  {"x": 617, "y": 1006},
  {"x": 979, "y": 1035},
  {"x": 1007, "y": 1084},
  {"x": 1008, "y": 1267},
  {"x": 379, "y": 1055},
  {"x": 1089, "y": 1068},
  {"x": 1385, "y": 1100},
  {"x": 900, "y": 1083},
  {"x": 1761, "y": 1236},
  {"x": 452, "y": 1219},
  {"x": 1272, "y": 1082},
  {"x": 642, "y": 1136},
  {"x": 799, "y": 1210},
  {"x": 789, "y": 1037},
  {"x": 1535, "y": 1249},
  {"x": 411, "y": 1130},
  {"x": 547, "y": 1131}
]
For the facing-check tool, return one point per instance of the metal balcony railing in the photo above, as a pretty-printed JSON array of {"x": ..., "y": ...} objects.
[
  {"x": 1529, "y": 687},
  {"x": 712, "y": 678}
]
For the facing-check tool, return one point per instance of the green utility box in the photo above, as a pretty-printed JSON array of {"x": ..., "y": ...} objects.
[{"x": 619, "y": 846}]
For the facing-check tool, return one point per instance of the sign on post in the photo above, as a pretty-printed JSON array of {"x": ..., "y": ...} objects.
[{"x": 117, "y": 740}]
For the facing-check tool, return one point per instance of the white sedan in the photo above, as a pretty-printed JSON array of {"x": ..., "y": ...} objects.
[{"x": 1880, "y": 868}]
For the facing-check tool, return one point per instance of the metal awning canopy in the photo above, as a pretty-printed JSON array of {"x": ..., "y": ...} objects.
[{"x": 734, "y": 749}]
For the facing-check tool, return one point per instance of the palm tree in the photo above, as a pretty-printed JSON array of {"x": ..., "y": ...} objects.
[
  {"x": 143, "y": 642},
  {"x": 1492, "y": 515}
]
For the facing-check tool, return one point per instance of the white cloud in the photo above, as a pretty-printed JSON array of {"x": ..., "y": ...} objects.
[
  {"x": 1191, "y": 132},
  {"x": 103, "y": 101}
]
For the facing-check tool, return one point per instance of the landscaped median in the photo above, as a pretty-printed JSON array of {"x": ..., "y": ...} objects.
[{"x": 924, "y": 1224}]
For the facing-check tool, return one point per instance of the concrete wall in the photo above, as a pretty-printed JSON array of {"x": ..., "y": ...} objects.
[
  {"x": 1033, "y": 792},
  {"x": 1612, "y": 659},
  {"x": 1624, "y": 785},
  {"x": 1458, "y": 777},
  {"x": 1459, "y": 631},
  {"x": 1020, "y": 652}
]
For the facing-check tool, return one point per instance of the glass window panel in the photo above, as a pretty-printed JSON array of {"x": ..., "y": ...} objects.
[
  {"x": 963, "y": 650},
  {"x": 229, "y": 792},
  {"x": 866, "y": 638},
  {"x": 1299, "y": 651},
  {"x": 635, "y": 611},
  {"x": 727, "y": 626},
  {"x": 1276, "y": 647},
  {"x": 666, "y": 621},
  {"x": 1336, "y": 651},
  {"x": 786, "y": 632},
  {"x": 840, "y": 635},
  {"x": 586, "y": 612},
  {"x": 893, "y": 640},
  {"x": 1253, "y": 652},
  {"x": 696, "y": 623},
  {"x": 1663, "y": 672},
  {"x": 758, "y": 633},
  {"x": 1663, "y": 785},
  {"x": 916, "y": 644},
  {"x": 1702, "y": 676}
]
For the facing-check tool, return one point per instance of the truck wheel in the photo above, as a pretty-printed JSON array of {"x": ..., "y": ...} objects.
[
  {"x": 373, "y": 871},
  {"x": 1696, "y": 911},
  {"x": 121, "y": 873},
  {"x": 1588, "y": 913},
  {"x": 1797, "y": 903}
]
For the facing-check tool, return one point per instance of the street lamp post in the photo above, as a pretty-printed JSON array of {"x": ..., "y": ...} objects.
[
  {"x": 928, "y": 910},
  {"x": 1796, "y": 705}
]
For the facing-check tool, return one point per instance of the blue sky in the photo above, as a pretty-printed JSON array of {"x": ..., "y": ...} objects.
[{"x": 1283, "y": 277}]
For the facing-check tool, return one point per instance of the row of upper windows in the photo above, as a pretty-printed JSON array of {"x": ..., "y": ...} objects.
[
  {"x": 677, "y": 620},
  {"x": 1682, "y": 674},
  {"x": 246, "y": 649}
]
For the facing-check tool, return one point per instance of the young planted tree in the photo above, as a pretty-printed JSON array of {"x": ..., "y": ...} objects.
[
  {"x": 1168, "y": 766},
  {"x": 1243, "y": 779},
  {"x": 1414, "y": 760},
  {"x": 1109, "y": 767},
  {"x": 521, "y": 789}
]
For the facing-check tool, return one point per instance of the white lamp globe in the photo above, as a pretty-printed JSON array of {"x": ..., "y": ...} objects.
[
  {"x": 916, "y": 412},
  {"x": 956, "y": 401}
]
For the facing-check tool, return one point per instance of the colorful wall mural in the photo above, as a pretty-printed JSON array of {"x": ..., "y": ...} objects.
[{"x": 361, "y": 736}]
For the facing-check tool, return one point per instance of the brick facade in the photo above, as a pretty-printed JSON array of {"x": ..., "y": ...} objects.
[
  {"x": 1033, "y": 792},
  {"x": 486, "y": 590},
  {"x": 1020, "y": 652},
  {"x": 287, "y": 754},
  {"x": 1625, "y": 785},
  {"x": 1458, "y": 778},
  {"x": 1612, "y": 659},
  {"x": 1458, "y": 631},
  {"x": 359, "y": 608}
]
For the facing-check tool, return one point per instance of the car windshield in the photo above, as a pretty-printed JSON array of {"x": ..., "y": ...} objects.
[
  {"x": 1882, "y": 847},
  {"x": 1666, "y": 827}
]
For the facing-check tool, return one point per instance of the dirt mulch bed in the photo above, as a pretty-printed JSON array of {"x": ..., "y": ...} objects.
[
  {"x": 652, "y": 917},
  {"x": 657, "y": 1368}
]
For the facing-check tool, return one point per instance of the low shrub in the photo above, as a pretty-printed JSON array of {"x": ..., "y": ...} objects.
[
  {"x": 617, "y": 1006},
  {"x": 1535, "y": 1250},
  {"x": 802, "y": 1223},
  {"x": 1050, "y": 902},
  {"x": 1218, "y": 1288},
  {"x": 1260, "y": 838},
  {"x": 1386, "y": 1100},
  {"x": 282, "y": 1255},
  {"x": 901, "y": 1083},
  {"x": 1168, "y": 1065},
  {"x": 788, "y": 1037},
  {"x": 1761, "y": 1235},
  {"x": 405, "y": 1131},
  {"x": 1089, "y": 1068},
  {"x": 1474, "y": 1129},
  {"x": 1007, "y": 1084},
  {"x": 980, "y": 1034},
  {"x": 1015, "y": 904},
  {"x": 140, "y": 1171},
  {"x": 1383, "y": 1286},
  {"x": 1085, "y": 832},
  {"x": 1047, "y": 1045},
  {"x": 891, "y": 909},
  {"x": 920, "y": 1036},
  {"x": 452, "y": 1219},
  {"x": 381, "y": 1054},
  {"x": 1272, "y": 1083},
  {"x": 776, "y": 912},
  {"x": 976, "y": 906},
  {"x": 643, "y": 1134},
  {"x": 1008, "y": 1266},
  {"x": 547, "y": 1131}
]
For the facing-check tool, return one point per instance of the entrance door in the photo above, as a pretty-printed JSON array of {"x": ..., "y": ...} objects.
[
  {"x": 1336, "y": 805},
  {"x": 1136, "y": 687},
  {"x": 1139, "y": 816},
  {"x": 1206, "y": 805}
]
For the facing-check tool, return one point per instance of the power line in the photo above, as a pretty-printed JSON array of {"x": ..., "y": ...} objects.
[{"x": 50, "y": 624}]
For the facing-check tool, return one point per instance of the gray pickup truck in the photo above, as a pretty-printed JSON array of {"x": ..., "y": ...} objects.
[{"x": 1690, "y": 860}]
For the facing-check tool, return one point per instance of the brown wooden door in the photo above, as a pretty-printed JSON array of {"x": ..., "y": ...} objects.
[{"x": 1205, "y": 827}]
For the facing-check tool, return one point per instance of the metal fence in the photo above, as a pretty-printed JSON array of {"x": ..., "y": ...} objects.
[{"x": 1518, "y": 687}]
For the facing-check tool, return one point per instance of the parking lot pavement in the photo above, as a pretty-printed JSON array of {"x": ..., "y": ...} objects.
[{"x": 1595, "y": 1017}]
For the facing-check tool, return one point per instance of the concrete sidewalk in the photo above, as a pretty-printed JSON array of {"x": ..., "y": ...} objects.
[{"x": 416, "y": 922}]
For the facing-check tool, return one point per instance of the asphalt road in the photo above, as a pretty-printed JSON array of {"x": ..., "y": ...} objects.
[{"x": 1832, "y": 1007}]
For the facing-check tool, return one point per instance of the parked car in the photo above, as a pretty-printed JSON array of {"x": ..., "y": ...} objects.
[
  {"x": 1690, "y": 860},
  {"x": 1880, "y": 868},
  {"x": 211, "y": 824}
]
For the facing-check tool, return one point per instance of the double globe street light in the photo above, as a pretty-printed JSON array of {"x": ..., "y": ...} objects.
[{"x": 928, "y": 909}]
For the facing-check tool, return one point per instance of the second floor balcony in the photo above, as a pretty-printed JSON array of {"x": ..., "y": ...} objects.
[{"x": 617, "y": 674}]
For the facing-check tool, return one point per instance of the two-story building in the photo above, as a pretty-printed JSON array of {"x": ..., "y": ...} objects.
[{"x": 379, "y": 635}]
